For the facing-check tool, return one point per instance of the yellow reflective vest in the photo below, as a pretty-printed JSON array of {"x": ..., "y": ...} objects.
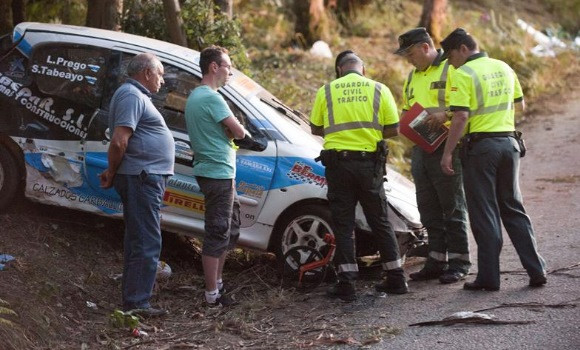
[
  {"x": 430, "y": 88},
  {"x": 353, "y": 111},
  {"x": 488, "y": 88}
]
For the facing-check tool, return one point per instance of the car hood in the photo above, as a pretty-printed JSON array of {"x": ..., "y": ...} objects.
[{"x": 401, "y": 195}]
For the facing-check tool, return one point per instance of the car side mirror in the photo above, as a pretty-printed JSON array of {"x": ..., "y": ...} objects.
[{"x": 251, "y": 144}]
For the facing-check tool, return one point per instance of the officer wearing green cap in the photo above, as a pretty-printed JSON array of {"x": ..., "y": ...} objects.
[
  {"x": 440, "y": 198},
  {"x": 484, "y": 92}
]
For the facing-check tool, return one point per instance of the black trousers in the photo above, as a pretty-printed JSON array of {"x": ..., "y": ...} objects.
[
  {"x": 350, "y": 182},
  {"x": 492, "y": 189}
]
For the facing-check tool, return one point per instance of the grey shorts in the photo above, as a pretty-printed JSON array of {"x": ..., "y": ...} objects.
[{"x": 222, "y": 215}]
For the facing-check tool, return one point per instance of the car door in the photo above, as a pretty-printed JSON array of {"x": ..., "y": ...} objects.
[
  {"x": 66, "y": 91},
  {"x": 183, "y": 196}
]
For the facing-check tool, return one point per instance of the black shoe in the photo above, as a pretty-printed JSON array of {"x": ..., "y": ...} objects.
[
  {"x": 390, "y": 287},
  {"x": 538, "y": 281},
  {"x": 147, "y": 312},
  {"x": 223, "y": 300},
  {"x": 452, "y": 276},
  {"x": 477, "y": 286},
  {"x": 426, "y": 274},
  {"x": 343, "y": 290}
]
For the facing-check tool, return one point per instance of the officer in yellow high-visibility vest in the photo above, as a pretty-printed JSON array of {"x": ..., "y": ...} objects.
[
  {"x": 355, "y": 114},
  {"x": 440, "y": 198},
  {"x": 483, "y": 94}
]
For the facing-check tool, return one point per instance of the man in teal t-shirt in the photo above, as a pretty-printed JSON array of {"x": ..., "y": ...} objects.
[
  {"x": 212, "y": 127},
  {"x": 215, "y": 155}
]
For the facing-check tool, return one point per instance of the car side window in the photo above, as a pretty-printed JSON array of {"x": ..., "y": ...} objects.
[
  {"x": 171, "y": 98},
  {"x": 13, "y": 63},
  {"x": 70, "y": 71}
]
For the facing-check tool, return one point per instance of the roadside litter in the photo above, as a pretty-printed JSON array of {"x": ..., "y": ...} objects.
[
  {"x": 5, "y": 258},
  {"x": 321, "y": 49},
  {"x": 468, "y": 317},
  {"x": 163, "y": 270},
  {"x": 547, "y": 46}
]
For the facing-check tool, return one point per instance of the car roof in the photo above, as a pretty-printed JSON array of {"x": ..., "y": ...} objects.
[
  {"x": 179, "y": 55},
  {"x": 34, "y": 33},
  {"x": 104, "y": 38}
]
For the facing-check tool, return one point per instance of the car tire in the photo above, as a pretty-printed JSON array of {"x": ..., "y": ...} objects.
[
  {"x": 8, "y": 178},
  {"x": 303, "y": 226},
  {"x": 294, "y": 260}
]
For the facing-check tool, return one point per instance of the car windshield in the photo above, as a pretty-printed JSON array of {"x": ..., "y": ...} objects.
[{"x": 282, "y": 120}]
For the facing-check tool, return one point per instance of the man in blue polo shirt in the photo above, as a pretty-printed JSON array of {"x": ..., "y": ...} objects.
[{"x": 141, "y": 158}]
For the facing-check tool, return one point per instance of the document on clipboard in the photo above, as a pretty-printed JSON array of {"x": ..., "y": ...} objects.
[{"x": 413, "y": 126}]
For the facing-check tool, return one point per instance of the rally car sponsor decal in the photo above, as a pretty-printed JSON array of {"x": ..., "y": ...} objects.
[
  {"x": 185, "y": 201},
  {"x": 298, "y": 171},
  {"x": 305, "y": 174}
]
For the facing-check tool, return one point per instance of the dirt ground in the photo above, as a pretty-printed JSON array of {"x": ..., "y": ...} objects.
[{"x": 64, "y": 284}]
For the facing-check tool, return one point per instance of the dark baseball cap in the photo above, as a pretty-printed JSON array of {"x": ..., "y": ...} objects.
[
  {"x": 412, "y": 37},
  {"x": 453, "y": 41}
]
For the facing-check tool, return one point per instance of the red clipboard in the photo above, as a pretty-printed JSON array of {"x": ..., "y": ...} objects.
[{"x": 413, "y": 126}]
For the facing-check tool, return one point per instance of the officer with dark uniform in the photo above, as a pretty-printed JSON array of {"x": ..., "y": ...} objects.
[
  {"x": 440, "y": 197},
  {"x": 355, "y": 114},
  {"x": 483, "y": 94}
]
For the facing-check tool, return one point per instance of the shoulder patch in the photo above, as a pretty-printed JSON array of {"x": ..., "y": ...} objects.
[{"x": 437, "y": 85}]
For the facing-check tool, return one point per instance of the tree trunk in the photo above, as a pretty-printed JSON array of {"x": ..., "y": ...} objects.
[
  {"x": 318, "y": 19},
  {"x": 311, "y": 19},
  {"x": 433, "y": 16},
  {"x": 18, "y": 11},
  {"x": 5, "y": 17},
  {"x": 105, "y": 14},
  {"x": 174, "y": 21},
  {"x": 226, "y": 7}
]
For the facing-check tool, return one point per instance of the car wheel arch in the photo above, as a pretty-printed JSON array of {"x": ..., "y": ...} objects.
[{"x": 291, "y": 212}]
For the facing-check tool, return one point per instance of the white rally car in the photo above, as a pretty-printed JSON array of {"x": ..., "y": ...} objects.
[{"x": 56, "y": 82}]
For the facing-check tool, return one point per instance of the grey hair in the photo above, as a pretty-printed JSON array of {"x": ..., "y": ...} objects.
[{"x": 141, "y": 62}]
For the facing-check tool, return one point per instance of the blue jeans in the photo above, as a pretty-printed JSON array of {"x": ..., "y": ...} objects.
[{"x": 142, "y": 196}]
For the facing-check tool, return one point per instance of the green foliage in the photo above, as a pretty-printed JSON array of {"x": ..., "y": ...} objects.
[
  {"x": 144, "y": 18},
  {"x": 364, "y": 20},
  {"x": 57, "y": 11},
  {"x": 4, "y": 310},
  {"x": 204, "y": 25},
  {"x": 292, "y": 76},
  {"x": 264, "y": 23},
  {"x": 567, "y": 12},
  {"x": 120, "y": 319}
]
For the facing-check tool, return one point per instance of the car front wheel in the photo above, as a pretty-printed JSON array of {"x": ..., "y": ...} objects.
[{"x": 303, "y": 226}]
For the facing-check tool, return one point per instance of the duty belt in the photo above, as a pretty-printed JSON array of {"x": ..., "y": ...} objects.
[
  {"x": 476, "y": 136},
  {"x": 356, "y": 155}
]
